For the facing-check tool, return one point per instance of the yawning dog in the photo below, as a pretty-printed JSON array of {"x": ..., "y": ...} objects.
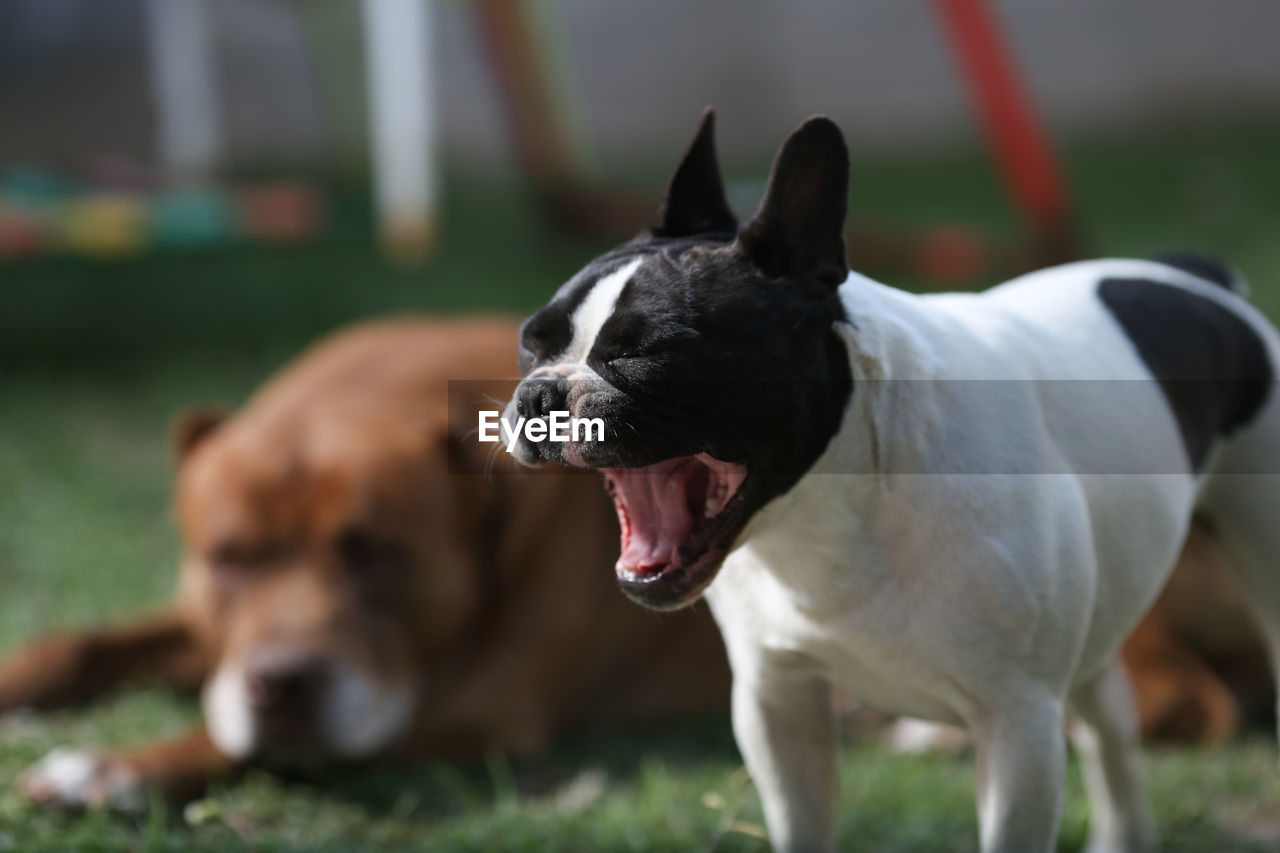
[
  {"x": 349, "y": 587},
  {"x": 955, "y": 506}
]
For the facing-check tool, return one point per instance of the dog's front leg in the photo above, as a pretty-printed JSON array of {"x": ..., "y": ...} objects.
[
  {"x": 1020, "y": 749},
  {"x": 175, "y": 770},
  {"x": 785, "y": 726},
  {"x": 73, "y": 668}
]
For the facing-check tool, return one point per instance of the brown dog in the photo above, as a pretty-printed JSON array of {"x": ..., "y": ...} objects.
[
  {"x": 347, "y": 589},
  {"x": 1197, "y": 660}
]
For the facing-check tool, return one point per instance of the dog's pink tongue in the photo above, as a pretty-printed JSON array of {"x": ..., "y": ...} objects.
[{"x": 656, "y": 515}]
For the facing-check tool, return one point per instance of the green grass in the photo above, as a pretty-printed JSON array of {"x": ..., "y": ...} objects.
[{"x": 96, "y": 357}]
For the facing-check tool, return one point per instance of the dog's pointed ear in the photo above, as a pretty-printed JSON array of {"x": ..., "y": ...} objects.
[
  {"x": 694, "y": 202},
  {"x": 798, "y": 232},
  {"x": 192, "y": 427}
]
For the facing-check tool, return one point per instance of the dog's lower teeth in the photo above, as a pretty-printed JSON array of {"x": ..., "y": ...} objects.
[{"x": 714, "y": 504}]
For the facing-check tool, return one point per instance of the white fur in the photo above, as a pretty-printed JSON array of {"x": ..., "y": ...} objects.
[
  {"x": 227, "y": 712},
  {"x": 357, "y": 715},
  {"x": 75, "y": 779},
  {"x": 966, "y": 558},
  {"x": 912, "y": 737},
  {"x": 67, "y": 771},
  {"x": 594, "y": 310},
  {"x": 587, "y": 319},
  {"x": 360, "y": 716}
]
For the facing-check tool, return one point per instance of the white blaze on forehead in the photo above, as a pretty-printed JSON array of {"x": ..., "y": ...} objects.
[
  {"x": 594, "y": 310},
  {"x": 586, "y": 321}
]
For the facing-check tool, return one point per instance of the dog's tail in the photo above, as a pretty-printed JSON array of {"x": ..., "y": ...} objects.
[{"x": 1207, "y": 268}]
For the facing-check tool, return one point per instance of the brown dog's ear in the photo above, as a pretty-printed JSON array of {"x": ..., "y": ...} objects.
[
  {"x": 694, "y": 202},
  {"x": 192, "y": 427},
  {"x": 798, "y": 232}
]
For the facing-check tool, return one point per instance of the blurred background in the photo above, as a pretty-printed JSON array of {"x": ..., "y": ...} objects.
[
  {"x": 191, "y": 191},
  {"x": 154, "y": 156}
]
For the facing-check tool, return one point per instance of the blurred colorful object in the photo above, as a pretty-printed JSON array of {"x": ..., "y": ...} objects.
[
  {"x": 42, "y": 212},
  {"x": 28, "y": 185},
  {"x": 1018, "y": 140},
  {"x": 22, "y": 233},
  {"x": 281, "y": 213},
  {"x": 192, "y": 218},
  {"x": 107, "y": 225}
]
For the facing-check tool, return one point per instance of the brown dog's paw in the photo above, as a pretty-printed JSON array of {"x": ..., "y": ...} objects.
[
  {"x": 910, "y": 736},
  {"x": 76, "y": 779}
]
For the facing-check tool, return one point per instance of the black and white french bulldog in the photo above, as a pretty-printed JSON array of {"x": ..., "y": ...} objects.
[{"x": 954, "y": 507}]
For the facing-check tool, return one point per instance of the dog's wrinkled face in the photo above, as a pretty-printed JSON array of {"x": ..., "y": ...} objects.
[
  {"x": 319, "y": 590},
  {"x": 709, "y": 355}
]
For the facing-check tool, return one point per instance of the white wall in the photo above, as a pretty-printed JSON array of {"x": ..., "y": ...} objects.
[{"x": 642, "y": 69}]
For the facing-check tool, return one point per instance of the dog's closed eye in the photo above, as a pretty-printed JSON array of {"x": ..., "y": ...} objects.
[
  {"x": 230, "y": 557},
  {"x": 543, "y": 335},
  {"x": 365, "y": 552}
]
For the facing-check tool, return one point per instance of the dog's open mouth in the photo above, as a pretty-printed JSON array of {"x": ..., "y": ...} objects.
[{"x": 679, "y": 519}]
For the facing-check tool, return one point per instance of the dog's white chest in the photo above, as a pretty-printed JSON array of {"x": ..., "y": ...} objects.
[{"x": 850, "y": 633}]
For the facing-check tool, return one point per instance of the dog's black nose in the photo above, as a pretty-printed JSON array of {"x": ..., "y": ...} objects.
[
  {"x": 279, "y": 679},
  {"x": 538, "y": 398}
]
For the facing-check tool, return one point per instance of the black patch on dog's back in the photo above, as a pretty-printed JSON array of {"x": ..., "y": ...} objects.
[{"x": 1212, "y": 365}]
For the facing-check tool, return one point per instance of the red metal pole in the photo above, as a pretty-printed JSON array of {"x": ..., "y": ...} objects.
[{"x": 1022, "y": 151}]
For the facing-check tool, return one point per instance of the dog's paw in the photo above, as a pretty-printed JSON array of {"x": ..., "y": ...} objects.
[
  {"x": 75, "y": 779},
  {"x": 910, "y": 736}
]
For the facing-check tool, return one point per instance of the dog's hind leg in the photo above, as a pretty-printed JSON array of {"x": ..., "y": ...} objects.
[
  {"x": 1021, "y": 764},
  {"x": 1241, "y": 513},
  {"x": 1105, "y": 734}
]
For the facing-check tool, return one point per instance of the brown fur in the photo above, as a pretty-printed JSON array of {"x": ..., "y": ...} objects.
[
  {"x": 491, "y": 596},
  {"x": 1197, "y": 661}
]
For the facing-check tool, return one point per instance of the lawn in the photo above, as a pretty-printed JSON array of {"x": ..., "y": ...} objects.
[{"x": 95, "y": 357}]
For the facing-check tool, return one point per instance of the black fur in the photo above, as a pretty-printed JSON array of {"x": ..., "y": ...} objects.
[
  {"x": 694, "y": 202},
  {"x": 717, "y": 345},
  {"x": 693, "y": 211},
  {"x": 798, "y": 232},
  {"x": 1202, "y": 266},
  {"x": 1212, "y": 365}
]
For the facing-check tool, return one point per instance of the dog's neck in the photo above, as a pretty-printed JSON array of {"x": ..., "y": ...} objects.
[
  {"x": 891, "y": 360},
  {"x": 886, "y": 427}
]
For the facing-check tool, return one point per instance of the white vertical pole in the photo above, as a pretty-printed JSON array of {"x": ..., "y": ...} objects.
[
  {"x": 182, "y": 78},
  {"x": 398, "y": 43}
]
